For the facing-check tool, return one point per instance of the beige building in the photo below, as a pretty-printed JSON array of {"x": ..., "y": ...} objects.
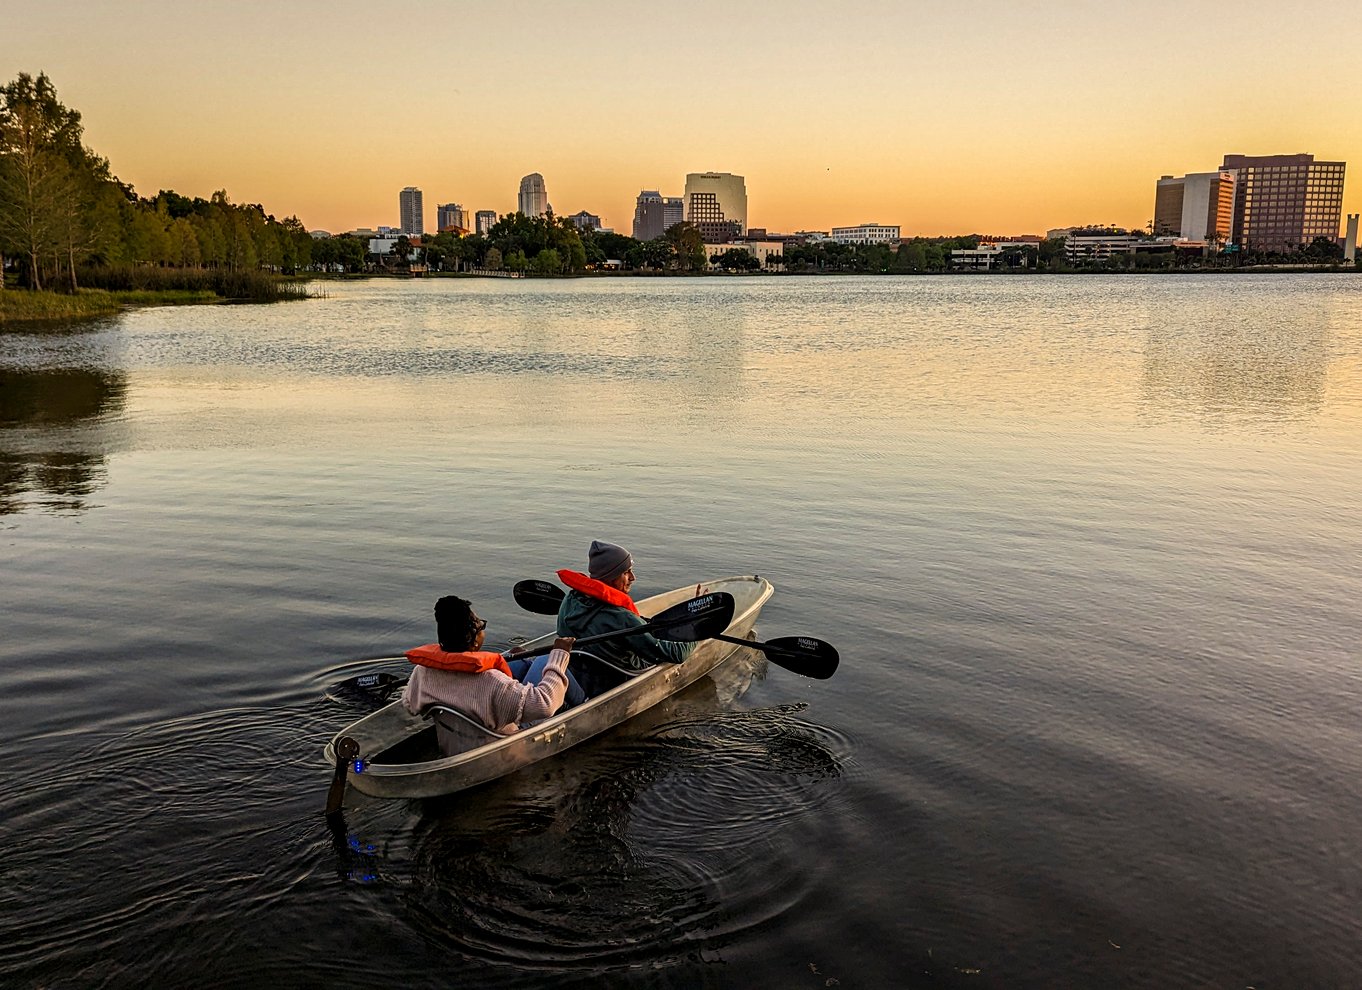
[
  {"x": 763, "y": 251},
  {"x": 716, "y": 198},
  {"x": 533, "y": 199},
  {"x": 1198, "y": 206},
  {"x": 867, "y": 233}
]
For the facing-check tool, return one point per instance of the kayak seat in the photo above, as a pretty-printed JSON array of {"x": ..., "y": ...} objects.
[
  {"x": 456, "y": 732},
  {"x": 596, "y": 674}
]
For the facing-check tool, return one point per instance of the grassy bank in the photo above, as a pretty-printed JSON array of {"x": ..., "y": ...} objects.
[
  {"x": 108, "y": 289},
  {"x": 243, "y": 286},
  {"x": 20, "y": 305}
]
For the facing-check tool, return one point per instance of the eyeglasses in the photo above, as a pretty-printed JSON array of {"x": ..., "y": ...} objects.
[{"x": 479, "y": 625}]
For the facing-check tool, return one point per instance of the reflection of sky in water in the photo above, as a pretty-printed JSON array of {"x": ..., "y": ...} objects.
[
  {"x": 1088, "y": 548},
  {"x": 784, "y": 364}
]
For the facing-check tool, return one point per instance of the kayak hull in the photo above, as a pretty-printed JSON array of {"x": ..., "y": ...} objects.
[{"x": 395, "y": 746}]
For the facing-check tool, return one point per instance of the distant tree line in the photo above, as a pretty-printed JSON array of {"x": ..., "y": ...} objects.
[
  {"x": 63, "y": 212},
  {"x": 550, "y": 245}
]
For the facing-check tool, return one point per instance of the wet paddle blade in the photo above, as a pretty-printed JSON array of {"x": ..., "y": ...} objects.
[
  {"x": 802, "y": 655},
  {"x": 539, "y": 597}
]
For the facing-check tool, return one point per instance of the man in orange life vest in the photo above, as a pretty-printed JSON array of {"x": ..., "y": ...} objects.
[
  {"x": 457, "y": 672},
  {"x": 599, "y": 602}
]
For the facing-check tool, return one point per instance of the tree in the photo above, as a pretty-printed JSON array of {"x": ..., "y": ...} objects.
[
  {"x": 688, "y": 247},
  {"x": 42, "y": 191},
  {"x": 657, "y": 253},
  {"x": 548, "y": 262},
  {"x": 736, "y": 260}
]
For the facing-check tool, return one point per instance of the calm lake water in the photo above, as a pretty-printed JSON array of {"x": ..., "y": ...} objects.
[{"x": 1089, "y": 548}]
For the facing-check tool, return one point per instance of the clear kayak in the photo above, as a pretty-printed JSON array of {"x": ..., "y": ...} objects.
[{"x": 401, "y": 755}]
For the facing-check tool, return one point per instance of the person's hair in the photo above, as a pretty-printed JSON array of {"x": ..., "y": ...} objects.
[{"x": 455, "y": 625}]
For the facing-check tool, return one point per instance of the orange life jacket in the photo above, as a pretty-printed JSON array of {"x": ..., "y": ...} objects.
[
  {"x": 431, "y": 655},
  {"x": 597, "y": 589}
]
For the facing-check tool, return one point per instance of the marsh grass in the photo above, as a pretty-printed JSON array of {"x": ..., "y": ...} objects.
[
  {"x": 246, "y": 286},
  {"x": 23, "y": 306}
]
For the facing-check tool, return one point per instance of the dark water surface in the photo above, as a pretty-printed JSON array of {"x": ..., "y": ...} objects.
[{"x": 1089, "y": 547}]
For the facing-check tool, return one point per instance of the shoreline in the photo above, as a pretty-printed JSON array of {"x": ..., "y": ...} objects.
[
  {"x": 1341, "y": 269},
  {"x": 22, "y": 306},
  {"x": 45, "y": 306}
]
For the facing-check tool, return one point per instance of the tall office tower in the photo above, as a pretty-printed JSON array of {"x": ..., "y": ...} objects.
[
  {"x": 1283, "y": 202},
  {"x": 716, "y": 198},
  {"x": 409, "y": 207},
  {"x": 655, "y": 214},
  {"x": 673, "y": 212},
  {"x": 485, "y": 220},
  {"x": 1350, "y": 241},
  {"x": 451, "y": 215},
  {"x": 1198, "y": 206},
  {"x": 648, "y": 215},
  {"x": 534, "y": 198}
]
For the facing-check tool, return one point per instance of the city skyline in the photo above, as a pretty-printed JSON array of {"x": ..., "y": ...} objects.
[{"x": 990, "y": 120}]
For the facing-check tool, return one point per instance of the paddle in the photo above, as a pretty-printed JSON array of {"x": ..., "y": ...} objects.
[
  {"x": 688, "y": 622},
  {"x": 799, "y": 654},
  {"x": 346, "y": 750}
]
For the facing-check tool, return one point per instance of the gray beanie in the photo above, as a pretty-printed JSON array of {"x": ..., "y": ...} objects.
[{"x": 607, "y": 561}]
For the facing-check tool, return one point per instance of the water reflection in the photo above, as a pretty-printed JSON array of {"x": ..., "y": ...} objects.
[
  {"x": 629, "y": 852},
  {"x": 1265, "y": 371},
  {"x": 37, "y": 407}
]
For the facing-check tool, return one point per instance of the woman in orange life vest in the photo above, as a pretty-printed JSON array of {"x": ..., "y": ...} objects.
[
  {"x": 501, "y": 695},
  {"x": 599, "y": 602}
]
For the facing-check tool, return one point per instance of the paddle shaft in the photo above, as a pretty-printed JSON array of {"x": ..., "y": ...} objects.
[
  {"x": 647, "y": 627},
  {"x": 802, "y": 655}
]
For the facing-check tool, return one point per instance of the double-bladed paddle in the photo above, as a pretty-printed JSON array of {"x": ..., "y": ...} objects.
[{"x": 799, "y": 654}]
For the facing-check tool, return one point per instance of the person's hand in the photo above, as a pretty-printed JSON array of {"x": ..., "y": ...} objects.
[
  {"x": 514, "y": 652},
  {"x": 564, "y": 643}
]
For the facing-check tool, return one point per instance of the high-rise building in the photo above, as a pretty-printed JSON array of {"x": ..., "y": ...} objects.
[
  {"x": 673, "y": 212},
  {"x": 451, "y": 215},
  {"x": 586, "y": 221},
  {"x": 655, "y": 214},
  {"x": 718, "y": 198},
  {"x": 1350, "y": 238},
  {"x": 484, "y": 220},
  {"x": 648, "y": 215},
  {"x": 534, "y": 197},
  {"x": 413, "y": 218},
  {"x": 1283, "y": 202},
  {"x": 1198, "y": 206}
]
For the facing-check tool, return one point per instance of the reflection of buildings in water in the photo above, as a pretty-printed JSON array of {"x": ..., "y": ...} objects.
[
  {"x": 548, "y": 868},
  {"x": 1259, "y": 371},
  {"x": 40, "y": 453}
]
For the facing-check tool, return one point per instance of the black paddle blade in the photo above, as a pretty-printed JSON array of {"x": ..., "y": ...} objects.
[
  {"x": 372, "y": 686},
  {"x": 539, "y": 597},
  {"x": 694, "y": 620},
  {"x": 802, "y": 655},
  {"x": 687, "y": 622}
]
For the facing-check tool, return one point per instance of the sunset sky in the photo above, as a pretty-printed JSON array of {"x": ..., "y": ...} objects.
[{"x": 991, "y": 117}]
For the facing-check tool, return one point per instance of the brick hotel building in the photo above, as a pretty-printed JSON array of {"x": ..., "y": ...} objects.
[{"x": 1283, "y": 202}]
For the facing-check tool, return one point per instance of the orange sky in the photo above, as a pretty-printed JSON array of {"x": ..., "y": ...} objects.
[{"x": 993, "y": 117}]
